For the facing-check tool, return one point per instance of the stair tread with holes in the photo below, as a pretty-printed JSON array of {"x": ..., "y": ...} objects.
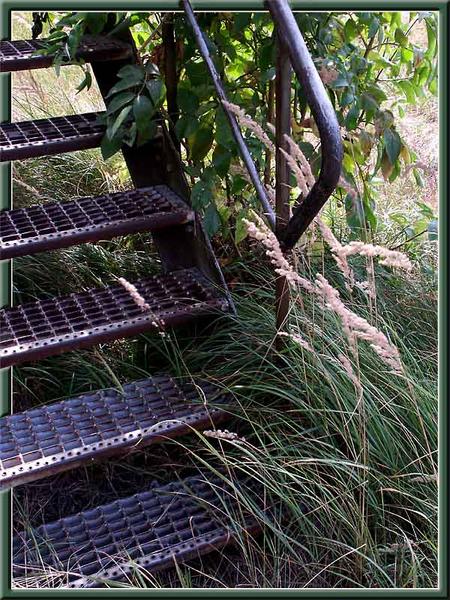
[
  {"x": 35, "y": 330},
  {"x": 44, "y": 137},
  {"x": 38, "y": 228},
  {"x": 19, "y": 55},
  {"x": 166, "y": 525},
  {"x": 45, "y": 440}
]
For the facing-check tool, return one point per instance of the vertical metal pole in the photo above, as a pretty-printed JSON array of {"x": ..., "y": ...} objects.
[
  {"x": 282, "y": 172},
  {"x": 170, "y": 76}
]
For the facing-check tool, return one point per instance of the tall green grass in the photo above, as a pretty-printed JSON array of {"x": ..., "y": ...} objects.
[{"x": 354, "y": 479}]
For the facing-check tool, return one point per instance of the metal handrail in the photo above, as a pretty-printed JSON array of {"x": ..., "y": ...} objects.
[
  {"x": 324, "y": 117},
  {"x": 237, "y": 134},
  {"x": 322, "y": 111}
]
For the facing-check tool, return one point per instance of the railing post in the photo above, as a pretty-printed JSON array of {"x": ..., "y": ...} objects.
[
  {"x": 282, "y": 171},
  {"x": 170, "y": 76}
]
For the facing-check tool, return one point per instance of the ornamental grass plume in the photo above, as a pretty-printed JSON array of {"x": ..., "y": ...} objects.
[
  {"x": 298, "y": 339},
  {"x": 297, "y": 172},
  {"x": 140, "y": 301},
  {"x": 248, "y": 122},
  {"x": 337, "y": 250},
  {"x": 296, "y": 152},
  {"x": 220, "y": 434},
  {"x": 348, "y": 368},
  {"x": 354, "y": 326},
  {"x": 390, "y": 258},
  {"x": 260, "y": 231},
  {"x": 136, "y": 296}
]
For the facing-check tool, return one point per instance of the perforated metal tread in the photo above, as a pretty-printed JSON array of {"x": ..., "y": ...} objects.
[
  {"x": 43, "y": 137},
  {"x": 25, "y": 231},
  {"x": 154, "y": 529},
  {"x": 38, "y": 329},
  {"x": 20, "y": 54},
  {"x": 48, "y": 439}
]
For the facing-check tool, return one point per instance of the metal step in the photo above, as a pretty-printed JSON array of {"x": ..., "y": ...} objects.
[
  {"x": 48, "y": 439},
  {"x": 43, "y": 137},
  {"x": 25, "y": 231},
  {"x": 157, "y": 529},
  {"x": 20, "y": 55},
  {"x": 35, "y": 330}
]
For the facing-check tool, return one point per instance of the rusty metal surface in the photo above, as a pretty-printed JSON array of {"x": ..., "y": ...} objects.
[
  {"x": 324, "y": 117},
  {"x": 20, "y": 55},
  {"x": 49, "y": 439},
  {"x": 38, "y": 329},
  {"x": 25, "y": 231},
  {"x": 42, "y": 137},
  {"x": 153, "y": 530},
  {"x": 177, "y": 521}
]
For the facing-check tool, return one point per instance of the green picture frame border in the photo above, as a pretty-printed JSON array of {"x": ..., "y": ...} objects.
[{"x": 6, "y": 6}]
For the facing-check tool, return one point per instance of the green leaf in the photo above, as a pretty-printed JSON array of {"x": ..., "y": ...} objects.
[
  {"x": 351, "y": 119},
  {"x": 241, "y": 21},
  {"x": 147, "y": 132},
  {"x": 201, "y": 195},
  {"x": 187, "y": 101},
  {"x": 239, "y": 183},
  {"x": 123, "y": 84},
  {"x": 433, "y": 230},
  {"x": 112, "y": 130},
  {"x": 200, "y": 143},
  {"x": 186, "y": 126},
  {"x": 221, "y": 160},
  {"x": 348, "y": 163},
  {"x": 118, "y": 101},
  {"x": 393, "y": 144},
  {"x": 109, "y": 147},
  {"x": 240, "y": 232},
  {"x": 131, "y": 72},
  {"x": 156, "y": 90},
  {"x": 374, "y": 27},
  {"x": 418, "y": 178},
  {"x": 386, "y": 166},
  {"x": 143, "y": 111},
  {"x": 197, "y": 73},
  {"x": 350, "y": 30},
  {"x": 151, "y": 69},
  {"x": 211, "y": 220},
  {"x": 223, "y": 134},
  {"x": 354, "y": 213},
  {"x": 400, "y": 37},
  {"x": 408, "y": 89},
  {"x": 86, "y": 83},
  {"x": 95, "y": 22},
  {"x": 74, "y": 38},
  {"x": 431, "y": 35}
]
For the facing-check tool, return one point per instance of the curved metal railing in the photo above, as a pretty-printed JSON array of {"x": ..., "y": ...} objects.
[
  {"x": 324, "y": 116},
  {"x": 322, "y": 111}
]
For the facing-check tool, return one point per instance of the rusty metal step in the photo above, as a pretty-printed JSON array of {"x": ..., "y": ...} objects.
[
  {"x": 49, "y": 439},
  {"x": 25, "y": 231},
  {"x": 20, "y": 55},
  {"x": 43, "y": 137},
  {"x": 157, "y": 529},
  {"x": 38, "y": 329}
]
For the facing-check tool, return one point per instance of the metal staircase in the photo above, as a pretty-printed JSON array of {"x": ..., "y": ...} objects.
[{"x": 183, "y": 519}]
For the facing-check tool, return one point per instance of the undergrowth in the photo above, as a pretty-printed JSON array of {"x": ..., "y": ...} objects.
[
  {"x": 352, "y": 477},
  {"x": 354, "y": 481}
]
